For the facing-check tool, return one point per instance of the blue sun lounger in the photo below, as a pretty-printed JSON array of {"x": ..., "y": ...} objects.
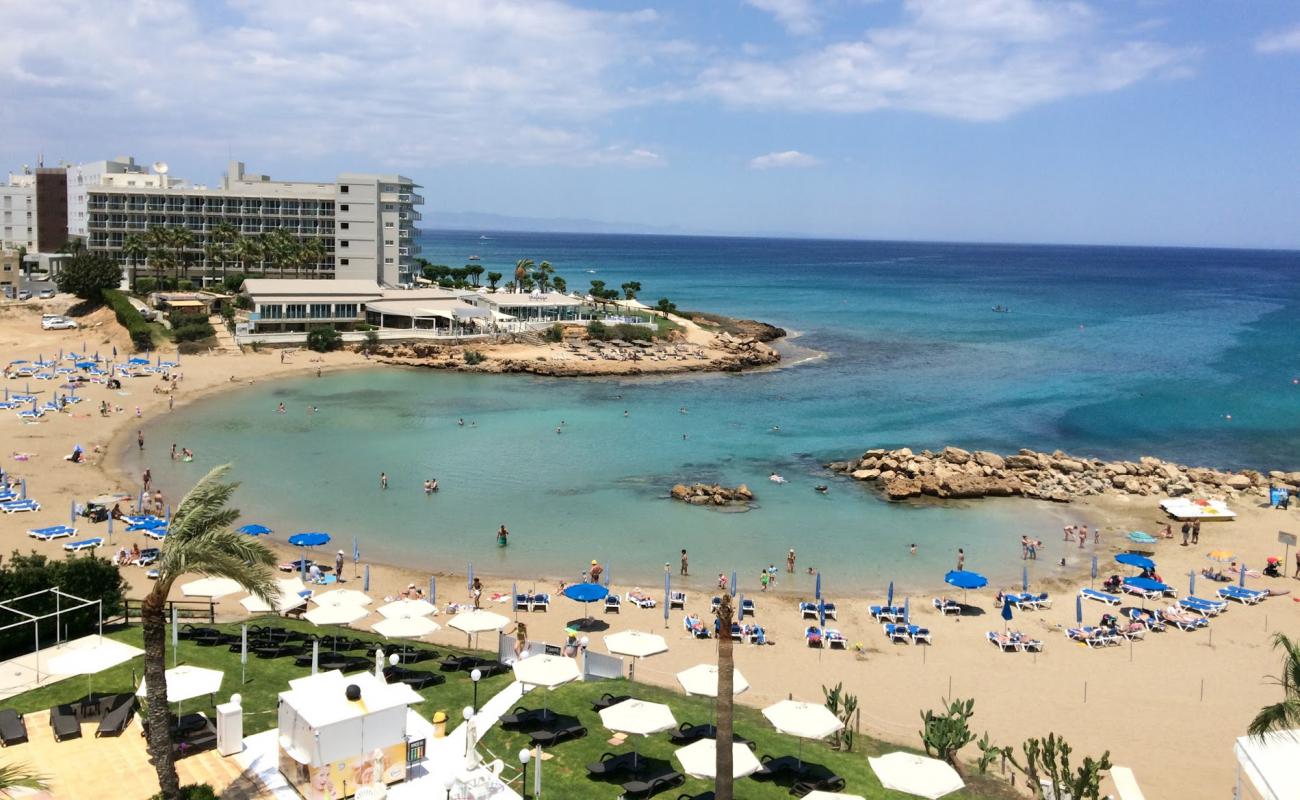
[
  {"x": 945, "y": 606},
  {"x": 1206, "y": 608},
  {"x": 677, "y": 600},
  {"x": 52, "y": 532},
  {"x": 1242, "y": 594},
  {"x": 1093, "y": 637},
  {"x": 158, "y": 533},
  {"x": 84, "y": 544},
  {"x": 896, "y": 632},
  {"x": 1100, "y": 596},
  {"x": 748, "y": 607},
  {"x": 31, "y": 413},
  {"x": 918, "y": 634},
  {"x": 882, "y": 613},
  {"x": 1029, "y": 600},
  {"x": 15, "y": 506}
]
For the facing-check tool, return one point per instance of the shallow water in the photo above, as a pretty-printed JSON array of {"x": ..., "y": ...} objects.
[{"x": 1107, "y": 352}]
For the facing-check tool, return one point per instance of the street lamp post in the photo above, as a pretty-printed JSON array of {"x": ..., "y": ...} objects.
[
  {"x": 524, "y": 756},
  {"x": 476, "y": 676}
]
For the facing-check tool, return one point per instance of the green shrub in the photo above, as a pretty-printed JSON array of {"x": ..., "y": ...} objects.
[
  {"x": 145, "y": 285},
  {"x": 555, "y": 333},
  {"x": 128, "y": 317},
  {"x": 193, "y": 329},
  {"x": 87, "y": 275},
  {"x": 473, "y": 357},
  {"x": 186, "y": 286},
  {"x": 323, "y": 339},
  {"x": 232, "y": 283},
  {"x": 244, "y": 301},
  {"x": 193, "y": 791},
  {"x": 630, "y": 333},
  {"x": 597, "y": 330}
]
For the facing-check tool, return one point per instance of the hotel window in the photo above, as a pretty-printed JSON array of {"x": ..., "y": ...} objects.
[
  {"x": 320, "y": 310},
  {"x": 388, "y": 241},
  {"x": 388, "y": 224},
  {"x": 343, "y": 207},
  {"x": 344, "y": 310},
  {"x": 271, "y": 311},
  {"x": 343, "y": 189},
  {"x": 295, "y": 311},
  {"x": 388, "y": 260},
  {"x": 343, "y": 243},
  {"x": 343, "y": 226},
  {"x": 343, "y": 262}
]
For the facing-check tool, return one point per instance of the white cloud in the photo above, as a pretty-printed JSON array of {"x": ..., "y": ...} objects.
[
  {"x": 799, "y": 17},
  {"x": 1287, "y": 41},
  {"x": 785, "y": 158},
  {"x": 970, "y": 59},
  {"x": 395, "y": 83}
]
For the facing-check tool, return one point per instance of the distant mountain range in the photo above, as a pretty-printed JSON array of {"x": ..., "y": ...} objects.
[{"x": 474, "y": 220}]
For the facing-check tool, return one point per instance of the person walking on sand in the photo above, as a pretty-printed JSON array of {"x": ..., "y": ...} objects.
[
  {"x": 594, "y": 572},
  {"x": 139, "y": 439},
  {"x": 1187, "y": 529},
  {"x": 476, "y": 592},
  {"x": 1297, "y": 565},
  {"x": 383, "y": 480},
  {"x": 686, "y": 564},
  {"x": 789, "y": 561},
  {"x": 1196, "y": 531},
  {"x": 961, "y": 559}
]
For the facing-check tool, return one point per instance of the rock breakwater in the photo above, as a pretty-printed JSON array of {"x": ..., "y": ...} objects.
[{"x": 712, "y": 494}]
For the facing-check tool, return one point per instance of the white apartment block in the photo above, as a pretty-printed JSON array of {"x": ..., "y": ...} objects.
[
  {"x": 365, "y": 221},
  {"x": 18, "y": 226},
  {"x": 83, "y": 176}
]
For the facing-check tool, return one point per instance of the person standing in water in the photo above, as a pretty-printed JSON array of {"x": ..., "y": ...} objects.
[
  {"x": 686, "y": 566},
  {"x": 961, "y": 559},
  {"x": 383, "y": 480},
  {"x": 789, "y": 561},
  {"x": 503, "y": 536}
]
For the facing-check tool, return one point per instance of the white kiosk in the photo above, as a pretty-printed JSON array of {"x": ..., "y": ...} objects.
[{"x": 340, "y": 733}]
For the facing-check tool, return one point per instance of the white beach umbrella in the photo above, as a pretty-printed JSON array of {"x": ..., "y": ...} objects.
[
  {"x": 546, "y": 670},
  {"x": 820, "y": 795},
  {"x": 635, "y": 644},
  {"x": 211, "y": 587},
  {"x": 918, "y": 775},
  {"x": 637, "y": 717},
  {"x": 90, "y": 660},
  {"x": 184, "y": 682},
  {"x": 804, "y": 720},
  {"x": 702, "y": 680},
  {"x": 408, "y": 608},
  {"x": 343, "y": 597},
  {"x": 405, "y": 627},
  {"x": 700, "y": 760},
  {"x": 290, "y": 597},
  {"x": 477, "y": 621},
  {"x": 335, "y": 615}
]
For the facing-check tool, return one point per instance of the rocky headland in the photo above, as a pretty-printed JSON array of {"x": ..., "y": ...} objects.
[
  {"x": 1059, "y": 477},
  {"x": 712, "y": 494}
]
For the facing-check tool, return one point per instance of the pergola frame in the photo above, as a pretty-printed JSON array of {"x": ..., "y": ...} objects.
[{"x": 35, "y": 619}]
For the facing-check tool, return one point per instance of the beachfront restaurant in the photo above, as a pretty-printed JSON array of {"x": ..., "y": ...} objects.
[
  {"x": 286, "y": 305},
  {"x": 534, "y": 308},
  {"x": 448, "y": 316}
]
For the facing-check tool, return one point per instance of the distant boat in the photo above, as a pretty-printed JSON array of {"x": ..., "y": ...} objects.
[
  {"x": 485, "y": 237},
  {"x": 591, "y": 272},
  {"x": 1001, "y": 310},
  {"x": 473, "y": 258}
]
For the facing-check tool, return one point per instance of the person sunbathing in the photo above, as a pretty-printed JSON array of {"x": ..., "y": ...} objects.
[
  {"x": 641, "y": 598},
  {"x": 694, "y": 624}
]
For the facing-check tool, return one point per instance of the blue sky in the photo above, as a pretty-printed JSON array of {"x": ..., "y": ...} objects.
[{"x": 1141, "y": 122}]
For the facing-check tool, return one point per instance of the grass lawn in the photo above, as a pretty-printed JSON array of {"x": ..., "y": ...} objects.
[
  {"x": 565, "y": 775},
  {"x": 266, "y": 678}
]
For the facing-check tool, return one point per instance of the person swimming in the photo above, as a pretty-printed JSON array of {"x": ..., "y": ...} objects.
[
  {"x": 821, "y": 489},
  {"x": 775, "y": 478}
]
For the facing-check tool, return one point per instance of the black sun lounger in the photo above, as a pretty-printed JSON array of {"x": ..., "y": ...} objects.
[
  {"x": 566, "y": 728},
  {"x": 613, "y": 765},
  {"x": 414, "y": 678},
  {"x": 13, "y": 729},
  {"x": 121, "y": 710},
  {"x": 653, "y": 784},
  {"x": 822, "y": 780},
  {"x": 687, "y": 733},
  {"x": 606, "y": 700},
  {"x": 63, "y": 719}
]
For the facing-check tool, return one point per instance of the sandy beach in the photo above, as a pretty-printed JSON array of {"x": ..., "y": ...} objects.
[{"x": 1169, "y": 707}]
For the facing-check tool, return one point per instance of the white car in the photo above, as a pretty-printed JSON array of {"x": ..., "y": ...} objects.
[
  {"x": 46, "y": 294},
  {"x": 23, "y": 294},
  {"x": 58, "y": 324}
]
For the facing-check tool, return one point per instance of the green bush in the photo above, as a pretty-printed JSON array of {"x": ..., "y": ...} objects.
[
  {"x": 244, "y": 301},
  {"x": 87, "y": 275},
  {"x": 145, "y": 285},
  {"x": 193, "y": 791},
  {"x": 597, "y": 330},
  {"x": 128, "y": 317},
  {"x": 192, "y": 329},
  {"x": 323, "y": 339},
  {"x": 88, "y": 577},
  {"x": 632, "y": 332},
  {"x": 473, "y": 357},
  {"x": 232, "y": 283},
  {"x": 555, "y": 333}
]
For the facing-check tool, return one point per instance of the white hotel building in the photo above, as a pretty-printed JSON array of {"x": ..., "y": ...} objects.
[{"x": 365, "y": 221}]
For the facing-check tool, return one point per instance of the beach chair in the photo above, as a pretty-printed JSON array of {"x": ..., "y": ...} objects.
[
  {"x": 121, "y": 710},
  {"x": 814, "y": 636},
  {"x": 1242, "y": 595},
  {"x": 613, "y": 765},
  {"x": 63, "y": 721},
  {"x": 52, "y": 532},
  {"x": 566, "y": 728},
  {"x": 700, "y": 632},
  {"x": 523, "y": 602},
  {"x": 157, "y": 534},
  {"x": 1100, "y": 597},
  {"x": 835, "y": 640},
  {"x": 830, "y": 610},
  {"x": 415, "y": 678},
  {"x": 896, "y": 632},
  {"x": 945, "y": 606},
  {"x": 1092, "y": 637},
  {"x": 677, "y": 600},
  {"x": 748, "y": 607},
  {"x": 1003, "y": 642},
  {"x": 882, "y": 613},
  {"x": 613, "y": 604},
  {"x": 84, "y": 544},
  {"x": 541, "y": 602},
  {"x": 918, "y": 634},
  {"x": 1024, "y": 643},
  {"x": 808, "y": 610},
  {"x": 13, "y": 728},
  {"x": 606, "y": 700},
  {"x": 649, "y": 785},
  {"x": 19, "y": 506},
  {"x": 1182, "y": 620},
  {"x": 714, "y": 604},
  {"x": 1206, "y": 608}
]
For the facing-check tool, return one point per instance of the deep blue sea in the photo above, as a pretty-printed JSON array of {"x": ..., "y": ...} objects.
[{"x": 1187, "y": 354}]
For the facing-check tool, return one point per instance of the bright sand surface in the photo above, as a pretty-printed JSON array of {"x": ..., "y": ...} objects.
[{"x": 1168, "y": 707}]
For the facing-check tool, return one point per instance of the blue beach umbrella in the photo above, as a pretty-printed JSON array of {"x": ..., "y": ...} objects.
[
  {"x": 1191, "y": 582},
  {"x": 514, "y": 593},
  {"x": 821, "y": 614},
  {"x": 907, "y": 610},
  {"x": 668, "y": 585},
  {"x": 733, "y": 583},
  {"x": 302, "y": 568},
  {"x": 817, "y": 591},
  {"x": 433, "y": 590},
  {"x": 254, "y": 530},
  {"x": 366, "y": 585},
  {"x": 469, "y": 575},
  {"x": 1094, "y": 568},
  {"x": 1024, "y": 579},
  {"x": 72, "y": 512},
  {"x": 1006, "y": 615},
  {"x": 586, "y": 593},
  {"x": 356, "y": 552},
  {"x": 169, "y": 515},
  {"x": 964, "y": 579},
  {"x": 1241, "y": 575},
  {"x": 607, "y": 571},
  {"x": 1135, "y": 560},
  {"x": 889, "y": 595},
  {"x": 1146, "y": 584},
  {"x": 85, "y": 365},
  {"x": 309, "y": 539},
  {"x": 110, "y": 528},
  {"x": 24, "y": 495},
  {"x": 740, "y": 613},
  {"x": 1078, "y": 608}
]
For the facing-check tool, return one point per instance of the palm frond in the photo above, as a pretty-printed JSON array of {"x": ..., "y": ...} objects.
[
  {"x": 16, "y": 776},
  {"x": 1285, "y": 714}
]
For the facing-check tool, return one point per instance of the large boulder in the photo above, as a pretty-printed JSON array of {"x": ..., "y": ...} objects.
[
  {"x": 866, "y": 474},
  {"x": 986, "y": 459},
  {"x": 1021, "y": 461},
  {"x": 902, "y": 488},
  {"x": 1068, "y": 465},
  {"x": 955, "y": 455},
  {"x": 680, "y": 492},
  {"x": 742, "y": 491},
  {"x": 1237, "y": 482}
]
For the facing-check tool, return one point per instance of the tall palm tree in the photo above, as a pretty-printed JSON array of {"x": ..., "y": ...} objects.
[
  {"x": 248, "y": 250},
  {"x": 522, "y": 266},
  {"x": 1283, "y": 715},
  {"x": 544, "y": 273},
  {"x": 179, "y": 240},
  {"x": 135, "y": 249},
  {"x": 314, "y": 253},
  {"x": 199, "y": 540},
  {"x": 223, "y": 239},
  {"x": 15, "y": 776},
  {"x": 722, "y": 787},
  {"x": 158, "y": 240}
]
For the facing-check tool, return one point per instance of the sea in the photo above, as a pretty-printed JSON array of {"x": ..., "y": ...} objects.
[{"x": 1185, "y": 354}]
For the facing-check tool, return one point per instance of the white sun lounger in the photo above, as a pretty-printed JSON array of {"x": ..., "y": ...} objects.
[
  {"x": 52, "y": 532},
  {"x": 84, "y": 544},
  {"x": 1100, "y": 596},
  {"x": 14, "y": 506}
]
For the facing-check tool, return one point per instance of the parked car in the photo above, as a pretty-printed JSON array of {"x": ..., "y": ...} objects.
[
  {"x": 58, "y": 324},
  {"x": 46, "y": 294},
  {"x": 23, "y": 294}
]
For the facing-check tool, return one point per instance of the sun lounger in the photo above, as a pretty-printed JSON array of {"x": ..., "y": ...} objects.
[
  {"x": 613, "y": 604},
  {"x": 896, "y": 632},
  {"x": 918, "y": 634},
  {"x": 613, "y": 765},
  {"x": 1148, "y": 618},
  {"x": 523, "y": 602},
  {"x": 606, "y": 700},
  {"x": 415, "y": 678},
  {"x": 63, "y": 720},
  {"x": 715, "y": 603},
  {"x": 52, "y": 532},
  {"x": 1099, "y": 596},
  {"x": 526, "y": 719},
  {"x": 641, "y": 601},
  {"x": 18, "y": 506},
  {"x": 1033, "y": 600},
  {"x": 748, "y": 607},
  {"x": 1206, "y": 608},
  {"x": 836, "y": 641},
  {"x": 13, "y": 728},
  {"x": 1025, "y": 643},
  {"x": 155, "y": 533},
  {"x": 774, "y": 768},
  {"x": 653, "y": 784},
  {"x": 84, "y": 544},
  {"x": 566, "y": 728},
  {"x": 829, "y": 782},
  {"x": 814, "y": 636},
  {"x": 945, "y": 606},
  {"x": 541, "y": 602},
  {"x": 1092, "y": 637},
  {"x": 277, "y": 650},
  {"x": 121, "y": 710},
  {"x": 1002, "y": 641},
  {"x": 677, "y": 600},
  {"x": 882, "y": 613},
  {"x": 1242, "y": 595},
  {"x": 1182, "y": 620}
]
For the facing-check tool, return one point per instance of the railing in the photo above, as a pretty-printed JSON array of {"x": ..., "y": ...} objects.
[{"x": 186, "y": 610}]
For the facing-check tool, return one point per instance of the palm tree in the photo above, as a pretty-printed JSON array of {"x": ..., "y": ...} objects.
[
  {"x": 157, "y": 238},
  {"x": 222, "y": 244},
  {"x": 476, "y": 272},
  {"x": 135, "y": 249},
  {"x": 1283, "y": 715},
  {"x": 722, "y": 788},
  {"x": 544, "y": 273},
  {"x": 13, "y": 776},
  {"x": 493, "y": 277},
  {"x": 248, "y": 250},
  {"x": 522, "y": 266},
  {"x": 560, "y": 284},
  {"x": 199, "y": 540},
  {"x": 313, "y": 252},
  {"x": 179, "y": 240}
]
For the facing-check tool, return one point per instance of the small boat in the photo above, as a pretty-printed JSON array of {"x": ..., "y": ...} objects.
[
  {"x": 485, "y": 237},
  {"x": 473, "y": 258},
  {"x": 1000, "y": 309},
  {"x": 591, "y": 272}
]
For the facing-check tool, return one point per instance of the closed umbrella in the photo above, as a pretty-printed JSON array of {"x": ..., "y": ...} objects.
[
  {"x": 803, "y": 720},
  {"x": 916, "y": 775},
  {"x": 637, "y": 718},
  {"x": 889, "y": 596},
  {"x": 1078, "y": 608},
  {"x": 1024, "y": 579},
  {"x": 1191, "y": 582},
  {"x": 700, "y": 760},
  {"x": 1006, "y": 614}
]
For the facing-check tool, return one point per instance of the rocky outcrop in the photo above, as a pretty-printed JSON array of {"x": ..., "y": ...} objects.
[
  {"x": 712, "y": 494},
  {"x": 956, "y": 473}
]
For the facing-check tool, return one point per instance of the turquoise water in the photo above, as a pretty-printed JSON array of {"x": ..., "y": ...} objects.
[{"x": 1109, "y": 352}]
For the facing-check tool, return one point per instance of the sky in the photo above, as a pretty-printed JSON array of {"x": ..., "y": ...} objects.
[{"x": 1137, "y": 122}]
